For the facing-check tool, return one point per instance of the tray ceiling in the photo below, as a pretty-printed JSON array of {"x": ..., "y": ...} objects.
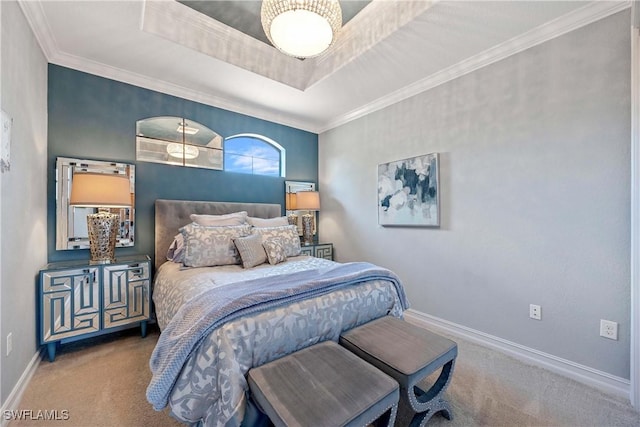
[
  {"x": 244, "y": 16},
  {"x": 387, "y": 51}
]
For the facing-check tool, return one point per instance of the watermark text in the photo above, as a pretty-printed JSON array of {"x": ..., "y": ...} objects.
[{"x": 36, "y": 415}]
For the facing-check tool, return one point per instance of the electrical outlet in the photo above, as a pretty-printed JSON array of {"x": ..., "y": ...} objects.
[
  {"x": 9, "y": 343},
  {"x": 535, "y": 312},
  {"x": 609, "y": 329}
]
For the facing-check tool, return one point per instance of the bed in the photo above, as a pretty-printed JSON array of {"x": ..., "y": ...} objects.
[{"x": 218, "y": 322}]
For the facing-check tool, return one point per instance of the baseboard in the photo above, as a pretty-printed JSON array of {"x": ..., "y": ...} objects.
[
  {"x": 14, "y": 398},
  {"x": 592, "y": 377}
]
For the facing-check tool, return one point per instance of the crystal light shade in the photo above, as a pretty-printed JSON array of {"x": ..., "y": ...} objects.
[{"x": 301, "y": 28}]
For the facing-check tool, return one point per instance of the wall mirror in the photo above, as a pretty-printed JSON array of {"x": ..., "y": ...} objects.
[
  {"x": 178, "y": 141},
  {"x": 293, "y": 214},
  {"x": 71, "y": 221}
]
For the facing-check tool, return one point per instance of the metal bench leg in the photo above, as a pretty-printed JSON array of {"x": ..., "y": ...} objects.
[
  {"x": 387, "y": 419},
  {"x": 428, "y": 403}
]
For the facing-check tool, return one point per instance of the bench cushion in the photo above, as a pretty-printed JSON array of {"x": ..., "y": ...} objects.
[
  {"x": 404, "y": 351},
  {"x": 322, "y": 385}
]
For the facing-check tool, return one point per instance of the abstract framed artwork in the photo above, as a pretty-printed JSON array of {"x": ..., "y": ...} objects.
[{"x": 409, "y": 192}]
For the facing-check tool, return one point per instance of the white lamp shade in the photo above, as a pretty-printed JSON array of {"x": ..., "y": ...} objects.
[
  {"x": 308, "y": 200},
  {"x": 291, "y": 202},
  {"x": 100, "y": 190}
]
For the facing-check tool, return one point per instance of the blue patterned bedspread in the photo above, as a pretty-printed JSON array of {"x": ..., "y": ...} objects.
[{"x": 199, "y": 362}]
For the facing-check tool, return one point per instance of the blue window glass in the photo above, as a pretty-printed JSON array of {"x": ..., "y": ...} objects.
[{"x": 253, "y": 154}]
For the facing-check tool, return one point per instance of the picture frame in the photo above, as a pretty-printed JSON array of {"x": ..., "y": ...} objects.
[{"x": 409, "y": 192}]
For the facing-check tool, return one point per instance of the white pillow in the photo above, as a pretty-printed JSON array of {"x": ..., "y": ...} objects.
[
  {"x": 237, "y": 218},
  {"x": 269, "y": 222}
]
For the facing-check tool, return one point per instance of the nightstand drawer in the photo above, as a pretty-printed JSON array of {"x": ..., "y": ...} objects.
[
  {"x": 324, "y": 251},
  {"x": 318, "y": 250},
  {"x": 66, "y": 280},
  {"x": 138, "y": 271}
]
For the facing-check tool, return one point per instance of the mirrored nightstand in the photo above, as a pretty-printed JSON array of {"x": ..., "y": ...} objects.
[
  {"x": 79, "y": 300},
  {"x": 318, "y": 250}
]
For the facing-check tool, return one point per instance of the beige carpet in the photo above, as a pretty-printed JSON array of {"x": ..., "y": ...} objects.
[{"x": 103, "y": 383}]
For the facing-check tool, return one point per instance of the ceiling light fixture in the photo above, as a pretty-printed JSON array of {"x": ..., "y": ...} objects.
[{"x": 301, "y": 28}]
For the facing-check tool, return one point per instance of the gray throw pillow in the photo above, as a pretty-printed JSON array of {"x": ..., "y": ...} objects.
[{"x": 251, "y": 250}]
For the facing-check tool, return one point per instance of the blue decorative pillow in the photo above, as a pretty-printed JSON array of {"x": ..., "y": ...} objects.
[{"x": 176, "y": 250}]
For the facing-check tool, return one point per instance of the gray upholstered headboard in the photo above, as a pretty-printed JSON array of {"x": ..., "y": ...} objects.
[{"x": 173, "y": 214}]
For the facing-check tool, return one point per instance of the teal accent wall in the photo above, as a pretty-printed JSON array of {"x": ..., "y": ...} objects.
[{"x": 91, "y": 117}]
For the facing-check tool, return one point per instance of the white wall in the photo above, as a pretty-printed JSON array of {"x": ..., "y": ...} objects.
[
  {"x": 535, "y": 176},
  {"x": 2, "y": 349},
  {"x": 24, "y": 198}
]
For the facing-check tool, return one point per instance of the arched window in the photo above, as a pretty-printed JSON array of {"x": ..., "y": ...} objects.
[{"x": 254, "y": 154}]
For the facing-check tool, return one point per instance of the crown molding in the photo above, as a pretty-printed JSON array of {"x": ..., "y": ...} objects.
[
  {"x": 571, "y": 21},
  {"x": 37, "y": 20},
  {"x": 586, "y": 15},
  {"x": 162, "y": 86}
]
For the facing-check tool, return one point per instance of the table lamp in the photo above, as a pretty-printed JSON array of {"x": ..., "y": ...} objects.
[
  {"x": 102, "y": 191},
  {"x": 291, "y": 205},
  {"x": 308, "y": 201}
]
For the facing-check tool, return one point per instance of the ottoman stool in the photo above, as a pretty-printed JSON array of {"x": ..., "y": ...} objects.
[
  {"x": 409, "y": 354},
  {"x": 323, "y": 385}
]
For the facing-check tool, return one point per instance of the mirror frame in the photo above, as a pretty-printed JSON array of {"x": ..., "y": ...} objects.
[
  {"x": 158, "y": 140},
  {"x": 67, "y": 216}
]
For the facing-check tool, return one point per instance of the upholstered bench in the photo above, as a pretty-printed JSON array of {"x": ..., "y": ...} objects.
[
  {"x": 409, "y": 354},
  {"x": 323, "y": 385}
]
